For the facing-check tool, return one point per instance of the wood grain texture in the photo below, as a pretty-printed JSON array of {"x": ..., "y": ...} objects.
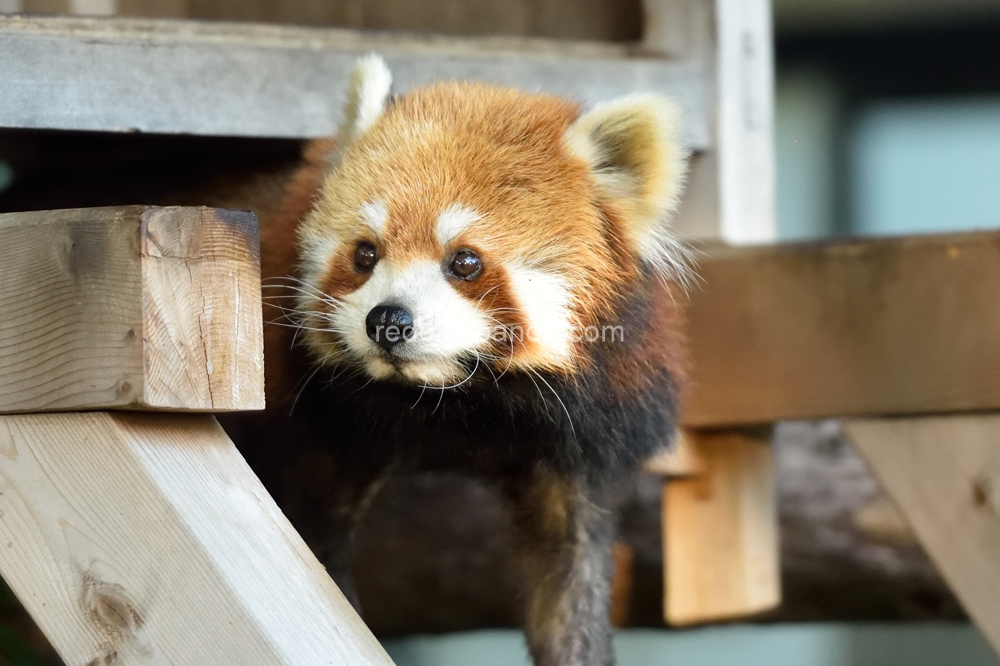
[
  {"x": 944, "y": 474},
  {"x": 869, "y": 327},
  {"x": 146, "y": 539},
  {"x": 720, "y": 532},
  {"x": 130, "y": 307},
  {"x": 258, "y": 80}
]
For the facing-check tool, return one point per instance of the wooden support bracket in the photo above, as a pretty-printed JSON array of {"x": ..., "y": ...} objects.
[
  {"x": 720, "y": 531},
  {"x": 146, "y": 539},
  {"x": 944, "y": 474}
]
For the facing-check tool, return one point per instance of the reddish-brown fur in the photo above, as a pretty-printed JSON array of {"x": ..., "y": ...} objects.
[{"x": 503, "y": 154}]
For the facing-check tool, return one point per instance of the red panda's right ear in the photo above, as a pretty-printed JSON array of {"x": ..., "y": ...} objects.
[
  {"x": 633, "y": 149},
  {"x": 367, "y": 93}
]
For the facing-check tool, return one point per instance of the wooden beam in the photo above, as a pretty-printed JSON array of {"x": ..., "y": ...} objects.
[
  {"x": 944, "y": 474},
  {"x": 130, "y": 307},
  {"x": 720, "y": 532},
  {"x": 259, "y": 80},
  {"x": 146, "y": 539},
  {"x": 867, "y": 327}
]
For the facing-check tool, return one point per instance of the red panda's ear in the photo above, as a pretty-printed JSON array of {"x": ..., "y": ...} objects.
[
  {"x": 367, "y": 92},
  {"x": 632, "y": 146}
]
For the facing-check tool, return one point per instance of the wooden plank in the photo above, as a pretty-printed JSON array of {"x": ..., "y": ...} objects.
[
  {"x": 604, "y": 20},
  {"x": 866, "y": 327},
  {"x": 681, "y": 459},
  {"x": 944, "y": 474},
  {"x": 146, "y": 539},
  {"x": 130, "y": 307},
  {"x": 680, "y": 28},
  {"x": 720, "y": 532},
  {"x": 259, "y": 80},
  {"x": 745, "y": 116}
]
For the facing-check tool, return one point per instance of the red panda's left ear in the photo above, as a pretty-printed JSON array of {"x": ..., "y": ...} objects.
[
  {"x": 632, "y": 146},
  {"x": 367, "y": 93}
]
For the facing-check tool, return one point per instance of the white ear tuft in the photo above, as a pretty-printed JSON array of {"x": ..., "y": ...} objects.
[
  {"x": 367, "y": 92},
  {"x": 633, "y": 148}
]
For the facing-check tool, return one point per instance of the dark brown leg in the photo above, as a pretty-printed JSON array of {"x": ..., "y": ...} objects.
[{"x": 563, "y": 535}]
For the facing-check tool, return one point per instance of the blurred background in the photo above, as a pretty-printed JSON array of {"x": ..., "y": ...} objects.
[{"x": 888, "y": 122}]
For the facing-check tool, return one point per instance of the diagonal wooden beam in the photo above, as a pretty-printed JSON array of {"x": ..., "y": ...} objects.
[
  {"x": 944, "y": 474},
  {"x": 146, "y": 539}
]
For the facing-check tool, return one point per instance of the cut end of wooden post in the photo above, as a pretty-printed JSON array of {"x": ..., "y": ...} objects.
[{"x": 203, "y": 333}]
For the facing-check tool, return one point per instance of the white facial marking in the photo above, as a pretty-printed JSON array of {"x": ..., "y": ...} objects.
[
  {"x": 453, "y": 220},
  {"x": 545, "y": 301},
  {"x": 375, "y": 214},
  {"x": 316, "y": 254},
  {"x": 446, "y": 326}
]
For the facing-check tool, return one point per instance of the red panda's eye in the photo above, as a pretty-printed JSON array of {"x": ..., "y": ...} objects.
[
  {"x": 365, "y": 257},
  {"x": 466, "y": 265}
]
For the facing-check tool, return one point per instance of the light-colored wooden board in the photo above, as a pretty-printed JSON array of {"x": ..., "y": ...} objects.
[
  {"x": 146, "y": 539},
  {"x": 130, "y": 307},
  {"x": 944, "y": 474},
  {"x": 681, "y": 459},
  {"x": 745, "y": 117},
  {"x": 260, "y": 80},
  {"x": 869, "y": 327},
  {"x": 720, "y": 532}
]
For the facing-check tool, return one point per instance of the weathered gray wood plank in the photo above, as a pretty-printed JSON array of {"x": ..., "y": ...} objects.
[{"x": 257, "y": 80}]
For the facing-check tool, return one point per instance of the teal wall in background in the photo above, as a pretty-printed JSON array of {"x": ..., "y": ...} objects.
[
  {"x": 926, "y": 165},
  {"x": 807, "y": 120},
  {"x": 884, "y": 167},
  {"x": 736, "y": 645}
]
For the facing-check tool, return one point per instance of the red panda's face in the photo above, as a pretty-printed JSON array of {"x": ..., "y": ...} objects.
[{"x": 466, "y": 228}]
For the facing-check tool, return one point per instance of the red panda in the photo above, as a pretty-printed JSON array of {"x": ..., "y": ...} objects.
[{"x": 478, "y": 279}]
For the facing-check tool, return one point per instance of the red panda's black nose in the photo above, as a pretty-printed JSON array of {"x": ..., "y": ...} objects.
[{"x": 389, "y": 325}]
